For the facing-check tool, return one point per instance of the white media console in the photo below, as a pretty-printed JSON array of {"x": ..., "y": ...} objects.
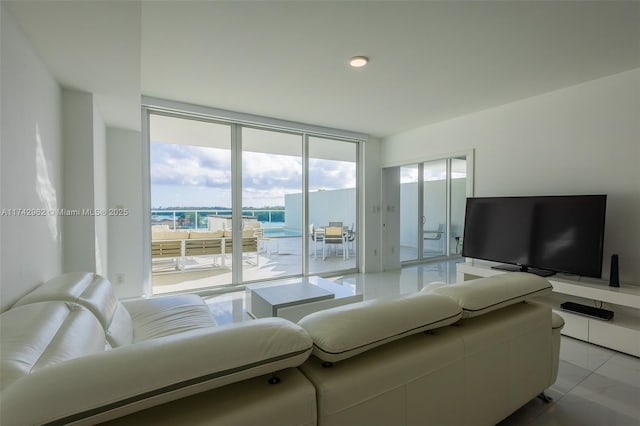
[{"x": 622, "y": 333}]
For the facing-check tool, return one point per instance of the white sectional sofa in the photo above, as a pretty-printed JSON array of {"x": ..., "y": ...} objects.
[
  {"x": 72, "y": 353},
  {"x": 463, "y": 354},
  {"x": 469, "y": 353}
]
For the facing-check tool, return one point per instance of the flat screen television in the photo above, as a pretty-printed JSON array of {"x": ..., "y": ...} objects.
[{"x": 543, "y": 234}]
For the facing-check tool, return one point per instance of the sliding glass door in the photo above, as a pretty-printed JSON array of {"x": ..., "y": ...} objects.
[
  {"x": 459, "y": 192},
  {"x": 434, "y": 208},
  {"x": 432, "y": 203},
  {"x": 190, "y": 173},
  {"x": 332, "y": 205},
  {"x": 409, "y": 213},
  {"x": 271, "y": 203},
  {"x": 229, "y": 203}
]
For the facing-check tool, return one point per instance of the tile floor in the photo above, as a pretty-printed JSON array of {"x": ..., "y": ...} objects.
[{"x": 595, "y": 386}]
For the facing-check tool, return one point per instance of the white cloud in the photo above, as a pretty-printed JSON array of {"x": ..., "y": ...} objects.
[{"x": 184, "y": 175}]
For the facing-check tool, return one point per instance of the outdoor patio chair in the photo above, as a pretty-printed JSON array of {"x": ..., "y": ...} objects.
[
  {"x": 351, "y": 237},
  {"x": 334, "y": 235},
  {"x": 434, "y": 235},
  {"x": 317, "y": 236}
]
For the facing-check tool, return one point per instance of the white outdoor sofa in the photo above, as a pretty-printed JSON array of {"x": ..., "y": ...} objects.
[{"x": 177, "y": 246}]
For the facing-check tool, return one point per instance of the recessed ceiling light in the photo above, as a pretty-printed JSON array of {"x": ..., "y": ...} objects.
[{"x": 358, "y": 61}]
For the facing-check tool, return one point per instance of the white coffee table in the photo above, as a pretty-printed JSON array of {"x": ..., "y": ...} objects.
[{"x": 294, "y": 301}]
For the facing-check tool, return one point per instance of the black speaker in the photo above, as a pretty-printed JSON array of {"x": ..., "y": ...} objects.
[{"x": 614, "y": 280}]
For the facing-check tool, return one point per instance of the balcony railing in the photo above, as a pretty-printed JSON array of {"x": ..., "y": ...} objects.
[{"x": 197, "y": 219}]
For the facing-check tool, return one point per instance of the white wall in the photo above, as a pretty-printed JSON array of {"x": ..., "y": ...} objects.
[
  {"x": 100, "y": 191},
  {"x": 78, "y": 134},
  {"x": 324, "y": 206},
  {"x": 390, "y": 249},
  {"x": 85, "y": 184},
  {"x": 31, "y": 165},
  {"x": 124, "y": 174},
  {"x": 578, "y": 140},
  {"x": 371, "y": 212}
]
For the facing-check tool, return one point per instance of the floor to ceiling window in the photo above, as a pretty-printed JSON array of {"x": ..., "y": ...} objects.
[
  {"x": 271, "y": 177},
  {"x": 409, "y": 212},
  {"x": 332, "y": 205},
  {"x": 229, "y": 206},
  {"x": 435, "y": 179},
  {"x": 432, "y": 203},
  {"x": 190, "y": 175},
  {"x": 459, "y": 192}
]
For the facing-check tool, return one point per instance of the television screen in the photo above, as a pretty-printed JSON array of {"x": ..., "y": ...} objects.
[{"x": 552, "y": 233}]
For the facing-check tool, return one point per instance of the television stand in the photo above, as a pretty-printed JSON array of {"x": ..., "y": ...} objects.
[
  {"x": 590, "y": 311},
  {"x": 523, "y": 268},
  {"x": 621, "y": 332}
]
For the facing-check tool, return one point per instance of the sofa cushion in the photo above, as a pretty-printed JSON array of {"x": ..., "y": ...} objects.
[
  {"x": 345, "y": 331},
  {"x": 165, "y": 315},
  {"x": 482, "y": 295},
  {"x": 251, "y": 224},
  {"x": 43, "y": 334},
  {"x": 95, "y": 293}
]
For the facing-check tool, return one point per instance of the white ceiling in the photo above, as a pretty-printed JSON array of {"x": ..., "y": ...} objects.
[{"x": 430, "y": 61}]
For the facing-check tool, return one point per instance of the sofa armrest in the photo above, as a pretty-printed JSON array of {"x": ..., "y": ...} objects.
[{"x": 102, "y": 386}]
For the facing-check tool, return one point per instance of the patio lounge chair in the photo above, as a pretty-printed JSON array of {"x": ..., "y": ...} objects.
[
  {"x": 249, "y": 243},
  {"x": 205, "y": 244},
  {"x": 168, "y": 245}
]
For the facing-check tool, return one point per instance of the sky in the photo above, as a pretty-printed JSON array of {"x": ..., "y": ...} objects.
[{"x": 195, "y": 176}]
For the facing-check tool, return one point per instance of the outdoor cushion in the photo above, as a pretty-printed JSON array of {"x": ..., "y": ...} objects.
[
  {"x": 170, "y": 235},
  {"x": 251, "y": 224},
  {"x": 204, "y": 234},
  {"x": 245, "y": 233}
]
